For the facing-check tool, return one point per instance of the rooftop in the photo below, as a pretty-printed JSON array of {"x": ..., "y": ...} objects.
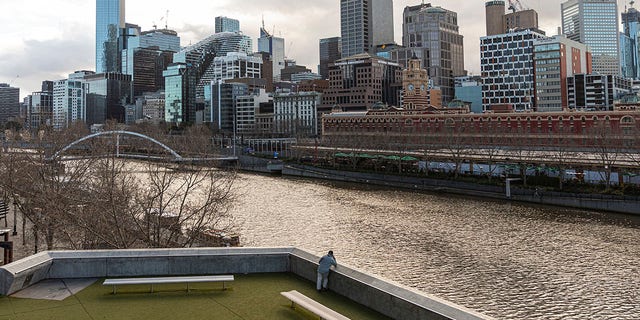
[{"x": 254, "y": 296}]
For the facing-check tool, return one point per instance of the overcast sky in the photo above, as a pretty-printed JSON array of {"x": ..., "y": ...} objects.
[{"x": 48, "y": 39}]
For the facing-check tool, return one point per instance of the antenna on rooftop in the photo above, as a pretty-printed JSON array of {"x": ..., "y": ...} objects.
[{"x": 166, "y": 21}]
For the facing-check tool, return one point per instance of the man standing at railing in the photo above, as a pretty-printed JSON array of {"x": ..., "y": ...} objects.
[{"x": 324, "y": 267}]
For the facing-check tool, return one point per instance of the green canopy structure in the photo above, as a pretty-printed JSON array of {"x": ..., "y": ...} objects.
[
  {"x": 395, "y": 158},
  {"x": 342, "y": 155},
  {"x": 409, "y": 158},
  {"x": 366, "y": 156}
]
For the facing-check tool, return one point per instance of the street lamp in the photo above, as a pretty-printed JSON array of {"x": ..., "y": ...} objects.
[{"x": 15, "y": 217}]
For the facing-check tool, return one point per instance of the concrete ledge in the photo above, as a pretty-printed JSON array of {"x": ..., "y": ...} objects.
[
  {"x": 386, "y": 297},
  {"x": 382, "y": 295}
]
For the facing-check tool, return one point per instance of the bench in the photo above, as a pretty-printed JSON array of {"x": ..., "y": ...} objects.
[
  {"x": 312, "y": 306},
  {"x": 162, "y": 280}
]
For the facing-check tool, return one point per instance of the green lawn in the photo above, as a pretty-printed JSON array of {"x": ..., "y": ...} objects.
[{"x": 248, "y": 297}]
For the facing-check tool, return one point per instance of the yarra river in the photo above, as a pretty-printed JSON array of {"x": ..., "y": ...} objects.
[{"x": 507, "y": 260}]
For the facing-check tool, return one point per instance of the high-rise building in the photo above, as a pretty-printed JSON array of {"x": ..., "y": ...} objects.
[
  {"x": 364, "y": 25},
  {"x": 432, "y": 35},
  {"x": 275, "y": 47},
  {"x": 629, "y": 46},
  {"x": 70, "y": 100},
  {"x": 109, "y": 24},
  {"x": 554, "y": 60},
  {"x": 9, "y": 103},
  {"x": 361, "y": 81},
  {"x": 224, "y": 24},
  {"x": 595, "y": 23},
  {"x": 220, "y": 110},
  {"x": 40, "y": 107},
  {"x": 507, "y": 70},
  {"x": 107, "y": 96},
  {"x": 330, "y": 51},
  {"x": 180, "y": 105}
]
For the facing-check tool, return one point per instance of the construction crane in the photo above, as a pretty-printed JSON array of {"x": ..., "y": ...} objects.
[{"x": 516, "y": 5}]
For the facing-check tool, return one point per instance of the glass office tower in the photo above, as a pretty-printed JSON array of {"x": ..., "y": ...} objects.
[
  {"x": 109, "y": 22},
  {"x": 594, "y": 23}
]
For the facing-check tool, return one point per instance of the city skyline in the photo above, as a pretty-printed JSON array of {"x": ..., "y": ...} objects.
[{"x": 68, "y": 28}]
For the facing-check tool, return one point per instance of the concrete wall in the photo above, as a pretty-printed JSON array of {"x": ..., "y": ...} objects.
[
  {"x": 388, "y": 298},
  {"x": 620, "y": 204}
]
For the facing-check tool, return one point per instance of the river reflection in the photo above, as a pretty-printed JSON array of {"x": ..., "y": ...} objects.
[{"x": 506, "y": 260}]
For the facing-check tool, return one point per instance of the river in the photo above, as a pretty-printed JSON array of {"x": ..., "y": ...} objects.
[{"x": 507, "y": 260}]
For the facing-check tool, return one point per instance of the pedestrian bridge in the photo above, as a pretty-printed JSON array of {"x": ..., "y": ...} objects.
[{"x": 172, "y": 155}]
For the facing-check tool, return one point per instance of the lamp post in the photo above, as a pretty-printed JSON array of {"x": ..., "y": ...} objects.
[{"x": 15, "y": 218}]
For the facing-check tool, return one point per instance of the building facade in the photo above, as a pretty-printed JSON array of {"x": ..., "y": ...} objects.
[
  {"x": 365, "y": 24},
  {"x": 432, "y": 34},
  {"x": 152, "y": 107},
  {"x": 357, "y": 83},
  {"x": 330, "y": 52},
  {"x": 629, "y": 48},
  {"x": 107, "y": 96},
  {"x": 40, "y": 107},
  {"x": 554, "y": 60},
  {"x": 275, "y": 47},
  {"x": 507, "y": 70},
  {"x": 595, "y": 23},
  {"x": 9, "y": 103},
  {"x": 109, "y": 23},
  {"x": 296, "y": 114},
  {"x": 415, "y": 130},
  {"x": 70, "y": 100},
  {"x": 180, "y": 105},
  {"x": 494, "y": 12},
  {"x": 249, "y": 108},
  {"x": 237, "y": 65},
  {"x": 469, "y": 89},
  {"x": 224, "y": 24},
  {"x": 220, "y": 110},
  {"x": 596, "y": 91}
]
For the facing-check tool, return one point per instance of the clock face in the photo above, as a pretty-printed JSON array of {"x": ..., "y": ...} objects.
[
  {"x": 410, "y": 87},
  {"x": 422, "y": 87}
]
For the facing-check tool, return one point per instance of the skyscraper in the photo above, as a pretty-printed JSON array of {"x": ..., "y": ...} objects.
[
  {"x": 629, "y": 46},
  {"x": 275, "y": 47},
  {"x": 109, "y": 23},
  {"x": 431, "y": 34},
  {"x": 329, "y": 53},
  {"x": 594, "y": 23},
  {"x": 365, "y": 24},
  {"x": 224, "y": 24}
]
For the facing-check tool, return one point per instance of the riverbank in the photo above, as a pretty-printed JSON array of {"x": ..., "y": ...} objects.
[{"x": 609, "y": 203}]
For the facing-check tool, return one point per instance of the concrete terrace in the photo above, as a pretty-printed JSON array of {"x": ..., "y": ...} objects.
[{"x": 261, "y": 274}]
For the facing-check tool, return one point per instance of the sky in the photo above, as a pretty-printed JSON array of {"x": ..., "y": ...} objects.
[{"x": 48, "y": 39}]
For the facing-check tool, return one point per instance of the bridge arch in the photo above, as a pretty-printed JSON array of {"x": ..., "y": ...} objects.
[{"x": 117, "y": 133}]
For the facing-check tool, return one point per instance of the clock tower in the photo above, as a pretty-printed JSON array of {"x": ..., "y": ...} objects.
[{"x": 415, "y": 85}]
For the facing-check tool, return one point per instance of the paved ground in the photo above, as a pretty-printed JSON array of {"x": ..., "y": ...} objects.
[{"x": 54, "y": 289}]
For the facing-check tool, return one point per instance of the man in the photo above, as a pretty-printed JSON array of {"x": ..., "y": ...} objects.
[{"x": 323, "y": 271}]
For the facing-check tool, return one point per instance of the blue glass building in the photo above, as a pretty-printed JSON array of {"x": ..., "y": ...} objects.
[{"x": 109, "y": 23}]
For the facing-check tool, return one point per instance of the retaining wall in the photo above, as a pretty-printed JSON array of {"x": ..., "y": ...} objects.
[{"x": 384, "y": 296}]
